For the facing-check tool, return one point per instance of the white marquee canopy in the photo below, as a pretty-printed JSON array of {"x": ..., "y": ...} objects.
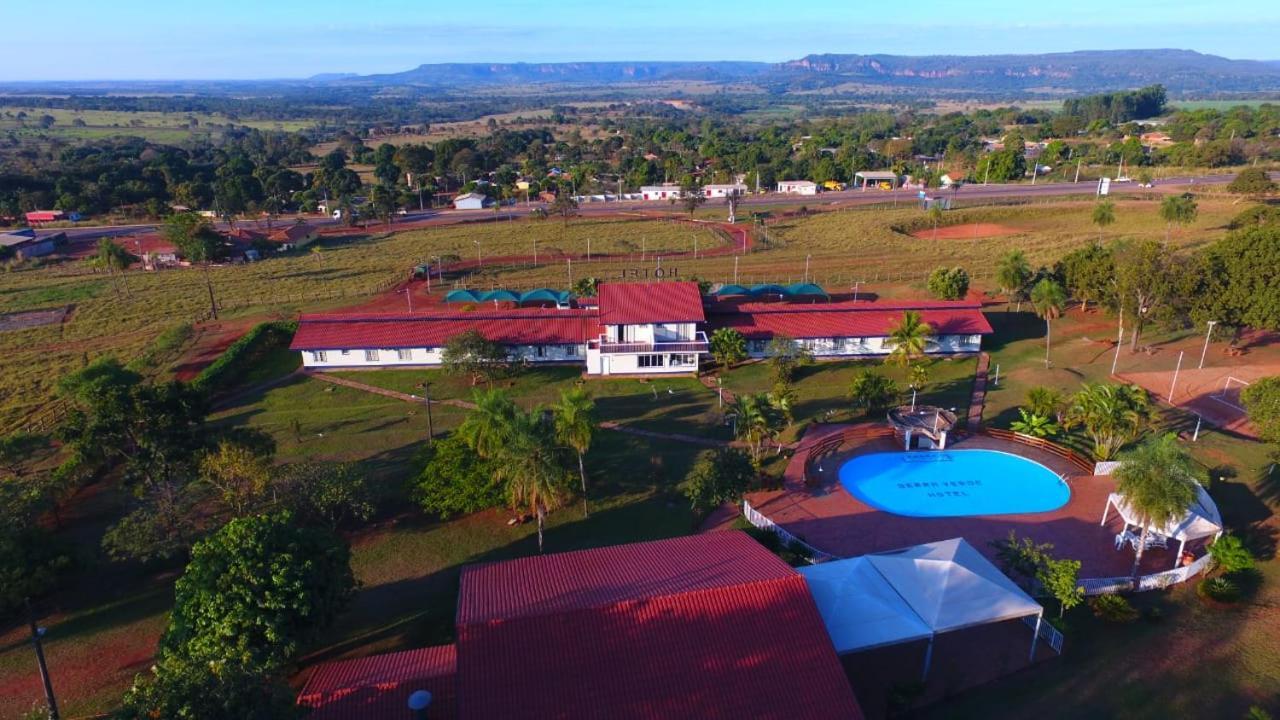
[
  {"x": 913, "y": 594},
  {"x": 1202, "y": 519}
]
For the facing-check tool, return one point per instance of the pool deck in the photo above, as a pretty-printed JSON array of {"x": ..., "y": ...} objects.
[{"x": 832, "y": 520}]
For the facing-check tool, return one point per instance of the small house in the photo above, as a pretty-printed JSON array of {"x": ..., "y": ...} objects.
[{"x": 472, "y": 201}]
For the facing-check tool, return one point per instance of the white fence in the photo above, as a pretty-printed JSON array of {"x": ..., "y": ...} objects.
[
  {"x": 1157, "y": 581},
  {"x": 754, "y": 517},
  {"x": 1048, "y": 633}
]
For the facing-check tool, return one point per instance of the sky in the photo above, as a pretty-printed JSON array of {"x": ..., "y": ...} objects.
[{"x": 259, "y": 39}]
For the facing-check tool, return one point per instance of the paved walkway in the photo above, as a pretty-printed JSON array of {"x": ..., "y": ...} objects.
[{"x": 979, "y": 398}]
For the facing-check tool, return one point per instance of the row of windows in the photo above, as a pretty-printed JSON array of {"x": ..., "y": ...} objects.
[
  {"x": 676, "y": 360},
  {"x": 406, "y": 354}
]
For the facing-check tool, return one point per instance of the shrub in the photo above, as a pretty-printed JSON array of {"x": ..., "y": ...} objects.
[
  {"x": 728, "y": 347},
  {"x": 949, "y": 283},
  {"x": 455, "y": 480},
  {"x": 718, "y": 476},
  {"x": 872, "y": 392},
  {"x": 1220, "y": 589},
  {"x": 1230, "y": 554},
  {"x": 236, "y": 360},
  {"x": 1113, "y": 608}
]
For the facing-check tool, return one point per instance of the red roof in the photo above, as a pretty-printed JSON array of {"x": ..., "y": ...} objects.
[
  {"x": 292, "y": 234},
  {"x": 659, "y": 302},
  {"x": 847, "y": 319},
  {"x": 707, "y": 626},
  {"x": 149, "y": 243},
  {"x": 521, "y": 326},
  {"x": 379, "y": 686}
]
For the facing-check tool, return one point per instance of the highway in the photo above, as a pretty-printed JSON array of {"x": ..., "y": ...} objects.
[{"x": 843, "y": 198}]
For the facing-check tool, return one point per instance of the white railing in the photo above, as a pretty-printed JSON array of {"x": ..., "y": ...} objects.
[
  {"x": 1155, "y": 581},
  {"x": 1050, "y": 634},
  {"x": 698, "y": 344},
  {"x": 754, "y": 517}
]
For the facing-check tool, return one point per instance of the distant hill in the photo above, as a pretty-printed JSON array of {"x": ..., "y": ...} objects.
[{"x": 1181, "y": 71}]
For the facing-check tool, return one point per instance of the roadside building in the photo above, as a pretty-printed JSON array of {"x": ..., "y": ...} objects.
[
  {"x": 298, "y": 235},
  {"x": 798, "y": 187},
  {"x": 37, "y": 217},
  {"x": 666, "y": 191},
  {"x": 26, "y": 243},
  {"x": 1156, "y": 139},
  {"x": 882, "y": 178},
  {"x": 472, "y": 201},
  {"x": 710, "y": 626},
  {"x": 152, "y": 249},
  {"x": 719, "y": 191}
]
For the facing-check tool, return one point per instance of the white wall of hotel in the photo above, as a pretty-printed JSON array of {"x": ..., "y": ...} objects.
[
  {"x": 857, "y": 346},
  {"x": 392, "y": 357}
]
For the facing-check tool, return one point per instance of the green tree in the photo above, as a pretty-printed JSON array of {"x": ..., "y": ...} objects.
[
  {"x": 565, "y": 206},
  {"x": 1104, "y": 215},
  {"x": 1048, "y": 299},
  {"x": 1013, "y": 273},
  {"x": 1112, "y": 415},
  {"x": 1044, "y": 401},
  {"x": 455, "y": 480},
  {"x": 384, "y": 200},
  {"x": 934, "y": 213},
  {"x": 257, "y": 591},
  {"x": 182, "y": 688},
  {"x": 949, "y": 283},
  {"x": 717, "y": 477},
  {"x": 531, "y": 469},
  {"x": 198, "y": 242},
  {"x": 1241, "y": 275},
  {"x": 872, "y": 392},
  {"x": 116, "y": 260},
  {"x": 16, "y": 450},
  {"x": 575, "y": 423},
  {"x": 1089, "y": 273},
  {"x": 908, "y": 339},
  {"x": 1021, "y": 558},
  {"x": 728, "y": 347},
  {"x": 691, "y": 195},
  {"x": 237, "y": 473},
  {"x": 1253, "y": 181},
  {"x": 1146, "y": 282},
  {"x": 488, "y": 429},
  {"x": 32, "y": 559},
  {"x": 1034, "y": 425},
  {"x": 785, "y": 357},
  {"x": 755, "y": 421},
  {"x": 586, "y": 287},
  {"x": 471, "y": 354},
  {"x": 1262, "y": 402},
  {"x": 1158, "y": 480},
  {"x": 1178, "y": 210},
  {"x": 326, "y": 494},
  {"x": 1230, "y": 555},
  {"x": 1061, "y": 580}
]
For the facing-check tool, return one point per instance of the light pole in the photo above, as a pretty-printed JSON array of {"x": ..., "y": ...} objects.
[
  {"x": 1207, "y": 335},
  {"x": 408, "y": 295},
  {"x": 479, "y": 259},
  {"x": 36, "y": 634},
  {"x": 855, "y": 290},
  {"x": 426, "y": 400},
  {"x": 806, "y": 267}
]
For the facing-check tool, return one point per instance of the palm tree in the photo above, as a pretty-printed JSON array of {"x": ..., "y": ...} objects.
[
  {"x": 529, "y": 467},
  {"x": 1048, "y": 299},
  {"x": 1013, "y": 273},
  {"x": 1104, "y": 214},
  {"x": 909, "y": 339},
  {"x": 489, "y": 428},
  {"x": 575, "y": 423},
  {"x": 1112, "y": 415},
  {"x": 935, "y": 216},
  {"x": 116, "y": 260},
  {"x": 1158, "y": 480},
  {"x": 756, "y": 421}
]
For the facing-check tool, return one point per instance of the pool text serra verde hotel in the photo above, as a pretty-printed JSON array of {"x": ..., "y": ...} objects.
[{"x": 637, "y": 328}]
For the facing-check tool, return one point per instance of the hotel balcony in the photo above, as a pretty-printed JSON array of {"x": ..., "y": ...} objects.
[{"x": 699, "y": 345}]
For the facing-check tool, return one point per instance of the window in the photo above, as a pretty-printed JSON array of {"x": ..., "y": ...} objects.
[
  {"x": 542, "y": 350},
  {"x": 650, "y": 361},
  {"x": 571, "y": 350},
  {"x": 320, "y": 356},
  {"x": 371, "y": 356},
  {"x": 684, "y": 360},
  {"x": 346, "y": 352},
  {"x": 404, "y": 354}
]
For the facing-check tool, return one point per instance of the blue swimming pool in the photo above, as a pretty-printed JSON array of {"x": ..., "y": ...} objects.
[{"x": 953, "y": 483}]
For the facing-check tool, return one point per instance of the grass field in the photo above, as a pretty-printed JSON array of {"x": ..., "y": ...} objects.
[{"x": 159, "y": 127}]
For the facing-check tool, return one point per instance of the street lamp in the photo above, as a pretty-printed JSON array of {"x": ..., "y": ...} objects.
[
  {"x": 479, "y": 259},
  {"x": 1206, "y": 341}
]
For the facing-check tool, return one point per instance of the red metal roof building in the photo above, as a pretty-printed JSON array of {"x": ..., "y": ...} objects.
[
  {"x": 518, "y": 326},
  {"x": 707, "y": 626},
  {"x": 645, "y": 303},
  {"x": 380, "y": 686},
  {"x": 848, "y": 319}
]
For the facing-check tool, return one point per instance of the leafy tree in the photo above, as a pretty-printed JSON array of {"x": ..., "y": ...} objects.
[
  {"x": 935, "y": 216},
  {"x": 1262, "y": 402},
  {"x": 691, "y": 195},
  {"x": 1044, "y": 401},
  {"x": 575, "y": 424},
  {"x": 1034, "y": 425},
  {"x": 1089, "y": 272},
  {"x": 586, "y": 287},
  {"x": 455, "y": 480},
  {"x": 1230, "y": 554},
  {"x": 31, "y": 559},
  {"x": 1112, "y": 415},
  {"x": 1013, "y": 273},
  {"x": 1146, "y": 282},
  {"x": 1252, "y": 181},
  {"x": 1241, "y": 276},
  {"x": 182, "y": 688},
  {"x": 116, "y": 260},
  {"x": 238, "y": 474},
  {"x": 17, "y": 448},
  {"x": 728, "y": 347},
  {"x": 257, "y": 591},
  {"x": 1048, "y": 299},
  {"x": 1255, "y": 216},
  {"x": 565, "y": 206},
  {"x": 1061, "y": 578},
  {"x": 949, "y": 283},
  {"x": 785, "y": 356},
  {"x": 717, "y": 477},
  {"x": 472, "y": 354},
  {"x": 917, "y": 376},
  {"x": 872, "y": 392},
  {"x": 385, "y": 200},
  {"x": 198, "y": 242},
  {"x": 326, "y": 494},
  {"x": 908, "y": 339},
  {"x": 1104, "y": 215},
  {"x": 1021, "y": 558},
  {"x": 1178, "y": 210},
  {"x": 1158, "y": 480}
]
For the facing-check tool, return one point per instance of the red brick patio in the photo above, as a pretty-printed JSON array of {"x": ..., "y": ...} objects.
[{"x": 832, "y": 520}]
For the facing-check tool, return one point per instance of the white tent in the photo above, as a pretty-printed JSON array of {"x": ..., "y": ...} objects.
[
  {"x": 913, "y": 594},
  {"x": 1202, "y": 520}
]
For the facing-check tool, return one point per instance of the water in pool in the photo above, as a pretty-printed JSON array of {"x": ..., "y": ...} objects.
[{"x": 953, "y": 483}]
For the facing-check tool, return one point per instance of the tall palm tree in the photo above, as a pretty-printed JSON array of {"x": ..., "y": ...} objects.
[
  {"x": 489, "y": 428},
  {"x": 1048, "y": 298},
  {"x": 1104, "y": 214},
  {"x": 1013, "y": 273},
  {"x": 909, "y": 339},
  {"x": 529, "y": 467},
  {"x": 1112, "y": 415},
  {"x": 575, "y": 424},
  {"x": 756, "y": 421},
  {"x": 1158, "y": 480}
]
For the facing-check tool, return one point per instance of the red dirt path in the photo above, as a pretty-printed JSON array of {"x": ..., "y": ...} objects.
[
  {"x": 968, "y": 231},
  {"x": 211, "y": 340}
]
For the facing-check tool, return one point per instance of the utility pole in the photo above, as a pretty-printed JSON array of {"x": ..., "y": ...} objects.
[
  {"x": 735, "y": 269},
  {"x": 1119, "y": 340},
  {"x": 36, "y": 634},
  {"x": 1078, "y": 170},
  {"x": 426, "y": 400},
  {"x": 1206, "y": 342}
]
